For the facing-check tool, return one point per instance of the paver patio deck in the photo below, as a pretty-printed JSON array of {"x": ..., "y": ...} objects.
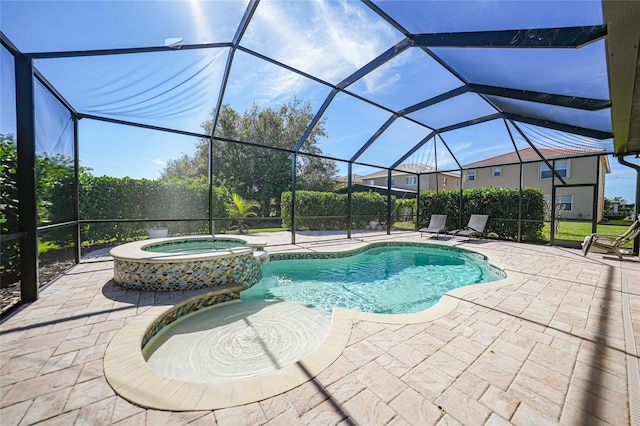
[{"x": 559, "y": 347}]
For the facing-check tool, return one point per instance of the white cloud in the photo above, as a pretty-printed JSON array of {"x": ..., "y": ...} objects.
[
  {"x": 328, "y": 39},
  {"x": 157, "y": 161}
]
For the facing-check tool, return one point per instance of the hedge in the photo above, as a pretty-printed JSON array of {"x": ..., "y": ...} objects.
[
  {"x": 109, "y": 198},
  {"x": 408, "y": 206},
  {"x": 365, "y": 207},
  {"x": 501, "y": 204}
]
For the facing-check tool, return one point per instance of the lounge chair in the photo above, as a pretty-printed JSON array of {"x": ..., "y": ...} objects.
[
  {"x": 437, "y": 225},
  {"x": 612, "y": 243},
  {"x": 475, "y": 228}
]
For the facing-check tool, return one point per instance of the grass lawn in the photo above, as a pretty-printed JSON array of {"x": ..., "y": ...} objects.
[
  {"x": 45, "y": 246},
  {"x": 576, "y": 231},
  {"x": 572, "y": 231},
  {"x": 256, "y": 230},
  {"x": 404, "y": 226}
]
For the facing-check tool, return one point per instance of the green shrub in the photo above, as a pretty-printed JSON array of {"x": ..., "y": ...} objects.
[
  {"x": 615, "y": 215},
  {"x": 10, "y": 250},
  {"x": 368, "y": 206},
  {"x": 328, "y": 210},
  {"x": 501, "y": 204},
  {"x": 405, "y": 209},
  {"x": 109, "y": 198}
]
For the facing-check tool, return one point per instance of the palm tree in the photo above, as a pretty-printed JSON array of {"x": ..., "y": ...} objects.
[{"x": 239, "y": 209}]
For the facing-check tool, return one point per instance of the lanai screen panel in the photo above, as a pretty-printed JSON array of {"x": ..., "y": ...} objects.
[
  {"x": 174, "y": 89},
  {"x": 401, "y": 136},
  {"x": 293, "y": 50},
  {"x": 475, "y": 143},
  {"x": 563, "y": 83},
  {"x": 349, "y": 123},
  {"x": 7, "y": 93},
  {"x": 52, "y": 26},
  {"x": 597, "y": 120},
  {"x": 551, "y": 138},
  {"x": 408, "y": 79},
  {"x": 110, "y": 152},
  {"x": 109, "y": 149},
  {"x": 55, "y": 156},
  {"x": 255, "y": 83},
  {"x": 329, "y": 40},
  {"x": 433, "y": 153},
  {"x": 253, "y": 80},
  {"x": 445, "y": 16},
  {"x": 578, "y": 71},
  {"x": 450, "y": 112}
]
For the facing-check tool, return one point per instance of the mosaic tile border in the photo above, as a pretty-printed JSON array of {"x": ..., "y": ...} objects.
[
  {"x": 190, "y": 306},
  {"x": 188, "y": 274}
]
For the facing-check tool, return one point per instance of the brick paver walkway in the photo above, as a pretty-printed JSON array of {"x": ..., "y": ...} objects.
[{"x": 557, "y": 348}]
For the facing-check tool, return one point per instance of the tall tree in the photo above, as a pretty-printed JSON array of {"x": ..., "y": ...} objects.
[{"x": 256, "y": 173}]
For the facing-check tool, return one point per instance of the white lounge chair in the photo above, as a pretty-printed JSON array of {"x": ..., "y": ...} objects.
[
  {"x": 437, "y": 225},
  {"x": 475, "y": 228},
  {"x": 612, "y": 243}
]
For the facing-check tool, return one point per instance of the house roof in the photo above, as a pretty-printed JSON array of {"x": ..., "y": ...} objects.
[
  {"x": 354, "y": 178},
  {"x": 407, "y": 169},
  {"x": 529, "y": 155},
  {"x": 415, "y": 168},
  {"x": 397, "y": 192}
]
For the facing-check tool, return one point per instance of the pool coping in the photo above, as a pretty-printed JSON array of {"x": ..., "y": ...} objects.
[
  {"x": 133, "y": 379},
  {"x": 133, "y": 252}
]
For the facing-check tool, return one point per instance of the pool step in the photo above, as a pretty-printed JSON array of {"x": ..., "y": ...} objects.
[{"x": 221, "y": 294}]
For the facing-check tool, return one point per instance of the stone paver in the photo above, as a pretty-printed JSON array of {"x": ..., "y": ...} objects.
[{"x": 548, "y": 350}]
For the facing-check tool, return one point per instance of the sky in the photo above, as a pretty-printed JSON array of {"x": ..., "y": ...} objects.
[{"x": 329, "y": 40}]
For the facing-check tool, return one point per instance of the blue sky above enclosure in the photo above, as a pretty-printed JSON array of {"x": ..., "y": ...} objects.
[{"x": 314, "y": 45}]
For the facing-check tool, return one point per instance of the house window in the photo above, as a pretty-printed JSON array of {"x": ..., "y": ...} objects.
[
  {"x": 444, "y": 181},
  {"x": 411, "y": 180},
  {"x": 370, "y": 182},
  {"x": 471, "y": 175},
  {"x": 564, "y": 202},
  {"x": 393, "y": 181},
  {"x": 561, "y": 166},
  {"x": 497, "y": 171}
]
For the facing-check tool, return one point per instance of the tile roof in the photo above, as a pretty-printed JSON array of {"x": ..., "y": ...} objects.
[
  {"x": 408, "y": 168},
  {"x": 354, "y": 178},
  {"x": 529, "y": 155}
]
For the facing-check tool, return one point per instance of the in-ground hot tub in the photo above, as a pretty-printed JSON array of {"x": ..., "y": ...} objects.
[{"x": 187, "y": 263}]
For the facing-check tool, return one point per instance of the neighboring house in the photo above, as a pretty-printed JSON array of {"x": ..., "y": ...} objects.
[
  {"x": 429, "y": 181},
  {"x": 355, "y": 178},
  {"x": 572, "y": 164},
  {"x": 620, "y": 207},
  {"x": 615, "y": 205}
]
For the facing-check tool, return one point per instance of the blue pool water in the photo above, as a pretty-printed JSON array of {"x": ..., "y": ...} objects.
[
  {"x": 192, "y": 246},
  {"x": 386, "y": 280}
]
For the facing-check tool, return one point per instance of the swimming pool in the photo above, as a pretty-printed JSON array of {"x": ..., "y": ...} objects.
[
  {"x": 384, "y": 280},
  {"x": 201, "y": 319},
  {"x": 194, "y": 245}
]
